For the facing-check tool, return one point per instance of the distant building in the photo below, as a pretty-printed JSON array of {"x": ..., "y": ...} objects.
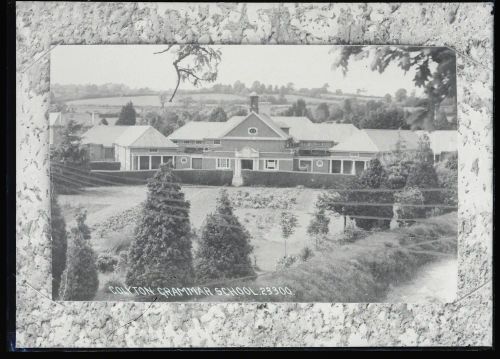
[
  {"x": 59, "y": 120},
  {"x": 135, "y": 147}
]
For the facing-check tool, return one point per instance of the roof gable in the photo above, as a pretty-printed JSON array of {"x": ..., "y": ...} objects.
[
  {"x": 105, "y": 135},
  {"x": 264, "y": 124},
  {"x": 143, "y": 136}
]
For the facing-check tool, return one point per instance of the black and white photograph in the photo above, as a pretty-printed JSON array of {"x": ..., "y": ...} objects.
[{"x": 253, "y": 173}]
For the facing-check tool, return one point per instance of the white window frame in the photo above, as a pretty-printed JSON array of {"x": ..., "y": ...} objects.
[
  {"x": 341, "y": 167},
  {"x": 354, "y": 154},
  {"x": 305, "y": 168},
  {"x": 219, "y": 166},
  {"x": 153, "y": 150},
  {"x": 196, "y": 158},
  {"x": 184, "y": 160},
  {"x": 320, "y": 163},
  {"x": 216, "y": 142},
  {"x": 253, "y": 128},
  {"x": 276, "y": 165}
]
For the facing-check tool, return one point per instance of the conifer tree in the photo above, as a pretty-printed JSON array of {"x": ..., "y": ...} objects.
[
  {"x": 79, "y": 280},
  {"x": 59, "y": 243},
  {"x": 225, "y": 249},
  {"x": 160, "y": 254},
  {"x": 127, "y": 115}
]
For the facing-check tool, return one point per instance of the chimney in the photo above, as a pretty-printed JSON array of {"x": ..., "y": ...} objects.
[{"x": 254, "y": 102}]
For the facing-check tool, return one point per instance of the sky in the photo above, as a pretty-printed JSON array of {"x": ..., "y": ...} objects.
[{"x": 305, "y": 65}]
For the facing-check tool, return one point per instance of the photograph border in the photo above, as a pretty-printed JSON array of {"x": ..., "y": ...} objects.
[{"x": 42, "y": 323}]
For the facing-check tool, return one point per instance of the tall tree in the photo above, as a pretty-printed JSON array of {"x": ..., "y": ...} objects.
[
  {"x": 218, "y": 115},
  {"x": 79, "y": 280},
  {"x": 438, "y": 82},
  {"x": 70, "y": 148},
  {"x": 322, "y": 112},
  {"x": 401, "y": 95},
  {"x": 160, "y": 254},
  {"x": 318, "y": 227},
  {"x": 127, "y": 115},
  {"x": 59, "y": 243},
  {"x": 288, "y": 223},
  {"x": 224, "y": 247}
]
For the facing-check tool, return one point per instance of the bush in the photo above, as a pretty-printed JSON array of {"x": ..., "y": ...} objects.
[
  {"x": 205, "y": 177},
  {"x": 106, "y": 263},
  {"x": 305, "y": 254},
  {"x": 224, "y": 247},
  {"x": 59, "y": 243},
  {"x": 423, "y": 175},
  {"x": 160, "y": 254},
  {"x": 105, "y": 165},
  {"x": 79, "y": 280},
  {"x": 403, "y": 200},
  {"x": 198, "y": 177},
  {"x": 294, "y": 179},
  {"x": 352, "y": 234},
  {"x": 285, "y": 262}
]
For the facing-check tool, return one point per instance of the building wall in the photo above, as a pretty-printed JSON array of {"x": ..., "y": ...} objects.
[
  {"x": 259, "y": 145},
  {"x": 180, "y": 165},
  {"x": 323, "y": 169}
]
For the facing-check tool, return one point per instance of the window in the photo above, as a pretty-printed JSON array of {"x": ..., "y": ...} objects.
[
  {"x": 155, "y": 162},
  {"x": 359, "y": 166},
  {"x": 153, "y": 150},
  {"x": 252, "y": 131},
  {"x": 144, "y": 162},
  {"x": 271, "y": 164},
  {"x": 168, "y": 160},
  {"x": 216, "y": 142},
  {"x": 347, "y": 167},
  {"x": 223, "y": 163},
  {"x": 305, "y": 165},
  {"x": 198, "y": 142},
  {"x": 354, "y": 154},
  {"x": 109, "y": 153},
  {"x": 336, "y": 166},
  {"x": 319, "y": 163}
]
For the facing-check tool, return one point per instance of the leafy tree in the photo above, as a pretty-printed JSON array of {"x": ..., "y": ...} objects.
[
  {"x": 160, "y": 254},
  {"x": 408, "y": 205},
  {"x": 127, "y": 115},
  {"x": 423, "y": 175},
  {"x": 438, "y": 83},
  {"x": 59, "y": 243},
  {"x": 385, "y": 118},
  {"x": 218, "y": 115},
  {"x": 240, "y": 112},
  {"x": 70, "y": 148},
  {"x": 322, "y": 112},
  {"x": 288, "y": 223},
  {"x": 359, "y": 201},
  {"x": 401, "y": 95},
  {"x": 318, "y": 227},
  {"x": 194, "y": 63},
  {"x": 388, "y": 98},
  {"x": 79, "y": 280},
  {"x": 299, "y": 108},
  {"x": 163, "y": 98},
  {"x": 224, "y": 247}
]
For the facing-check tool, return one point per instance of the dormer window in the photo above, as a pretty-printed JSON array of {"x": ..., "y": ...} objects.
[{"x": 252, "y": 131}]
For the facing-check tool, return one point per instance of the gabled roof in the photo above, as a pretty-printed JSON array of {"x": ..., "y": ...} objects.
[
  {"x": 443, "y": 141},
  {"x": 143, "y": 136},
  {"x": 105, "y": 135},
  {"x": 368, "y": 140},
  {"x": 197, "y": 130},
  {"x": 264, "y": 118},
  {"x": 128, "y": 136}
]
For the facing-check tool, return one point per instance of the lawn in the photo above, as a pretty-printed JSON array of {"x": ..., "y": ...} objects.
[{"x": 113, "y": 211}]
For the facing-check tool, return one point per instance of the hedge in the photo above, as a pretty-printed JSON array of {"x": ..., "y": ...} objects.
[
  {"x": 197, "y": 177},
  {"x": 293, "y": 179},
  {"x": 105, "y": 165}
]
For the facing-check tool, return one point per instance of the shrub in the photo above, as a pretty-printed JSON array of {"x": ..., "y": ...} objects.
[
  {"x": 105, "y": 165},
  {"x": 160, "y": 254},
  {"x": 224, "y": 247},
  {"x": 305, "y": 254},
  {"x": 79, "y": 280},
  {"x": 352, "y": 234},
  {"x": 447, "y": 174},
  {"x": 404, "y": 209},
  {"x": 106, "y": 263},
  {"x": 285, "y": 262},
  {"x": 59, "y": 243},
  {"x": 318, "y": 227},
  {"x": 294, "y": 179},
  {"x": 205, "y": 177},
  {"x": 423, "y": 175}
]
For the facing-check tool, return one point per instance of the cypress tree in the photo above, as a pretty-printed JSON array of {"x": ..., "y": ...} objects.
[
  {"x": 79, "y": 280},
  {"x": 160, "y": 254},
  {"x": 224, "y": 250},
  {"x": 59, "y": 244},
  {"x": 127, "y": 115}
]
